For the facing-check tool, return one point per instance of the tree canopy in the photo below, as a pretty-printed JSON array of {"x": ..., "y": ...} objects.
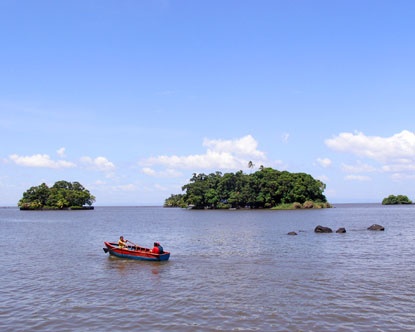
[
  {"x": 399, "y": 199},
  {"x": 62, "y": 195},
  {"x": 265, "y": 188}
]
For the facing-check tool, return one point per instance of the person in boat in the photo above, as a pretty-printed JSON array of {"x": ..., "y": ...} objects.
[
  {"x": 121, "y": 242},
  {"x": 157, "y": 249}
]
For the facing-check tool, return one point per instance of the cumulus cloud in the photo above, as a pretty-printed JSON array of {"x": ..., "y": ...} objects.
[
  {"x": 323, "y": 178},
  {"x": 404, "y": 167},
  {"x": 149, "y": 171},
  {"x": 40, "y": 160},
  {"x": 61, "y": 152},
  {"x": 125, "y": 187},
  {"x": 168, "y": 173},
  {"x": 245, "y": 146},
  {"x": 358, "y": 168},
  {"x": 220, "y": 154},
  {"x": 324, "y": 162},
  {"x": 98, "y": 163},
  {"x": 358, "y": 178},
  {"x": 395, "y": 154},
  {"x": 399, "y": 147},
  {"x": 403, "y": 177}
]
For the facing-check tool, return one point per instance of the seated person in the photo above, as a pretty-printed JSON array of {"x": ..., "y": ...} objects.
[
  {"x": 157, "y": 249},
  {"x": 122, "y": 243},
  {"x": 160, "y": 248}
]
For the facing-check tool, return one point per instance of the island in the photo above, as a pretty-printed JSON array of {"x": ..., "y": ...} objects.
[
  {"x": 399, "y": 199},
  {"x": 63, "y": 195},
  {"x": 266, "y": 188}
]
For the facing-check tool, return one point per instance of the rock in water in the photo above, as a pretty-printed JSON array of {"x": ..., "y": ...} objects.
[
  {"x": 376, "y": 227},
  {"x": 322, "y": 229}
]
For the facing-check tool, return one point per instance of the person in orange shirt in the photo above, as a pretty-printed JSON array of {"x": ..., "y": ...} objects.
[{"x": 122, "y": 243}]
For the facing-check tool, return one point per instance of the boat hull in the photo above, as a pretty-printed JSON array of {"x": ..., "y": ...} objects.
[{"x": 135, "y": 252}]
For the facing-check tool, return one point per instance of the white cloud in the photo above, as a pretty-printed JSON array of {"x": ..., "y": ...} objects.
[
  {"x": 358, "y": 177},
  {"x": 168, "y": 173},
  {"x": 285, "y": 137},
  {"x": 40, "y": 160},
  {"x": 323, "y": 178},
  {"x": 220, "y": 154},
  {"x": 149, "y": 171},
  {"x": 125, "y": 187},
  {"x": 99, "y": 163},
  {"x": 324, "y": 162},
  {"x": 159, "y": 187},
  {"x": 400, "y": 146},
  {"x": 396, "y": 154},
  {"x": 61, "y": 152},
  {"x": 402, "y": 177},
  {"x": 404, "y": 167},
  {"x": 358, "y": 168},
  {"x": 245, "y": 146},
  {"x": 211, "y": 159}
]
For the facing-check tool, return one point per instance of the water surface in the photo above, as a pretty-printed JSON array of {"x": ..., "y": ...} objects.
[{"x": 228, "y": 270}]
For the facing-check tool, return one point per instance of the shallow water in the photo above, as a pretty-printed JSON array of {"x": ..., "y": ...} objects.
[{"x": 228, "y": 270}]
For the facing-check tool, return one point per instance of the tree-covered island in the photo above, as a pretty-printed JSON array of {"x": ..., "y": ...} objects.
[
  {"x": 62, "y": 195},
  {"x": 265, "y": 188},
  {"x": 399, "y": 199}
]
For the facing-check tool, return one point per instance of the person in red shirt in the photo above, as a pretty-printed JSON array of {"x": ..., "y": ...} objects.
[{"x": 156, "y": 249}]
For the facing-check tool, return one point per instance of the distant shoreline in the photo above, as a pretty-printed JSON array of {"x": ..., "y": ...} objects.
[
  {"x": 73, "y": 208},
  {"x": 11, "y": 206}
]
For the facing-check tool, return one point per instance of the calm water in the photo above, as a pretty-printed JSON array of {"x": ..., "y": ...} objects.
[{"x": 228, "y": 270}]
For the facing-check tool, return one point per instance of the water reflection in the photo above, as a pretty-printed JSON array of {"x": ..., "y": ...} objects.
[{"x": 129, "y": 267}]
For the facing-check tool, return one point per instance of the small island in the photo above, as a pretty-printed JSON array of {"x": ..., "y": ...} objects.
[
  {"x": 266, "y": 188},
  {"x": 63, "y": 195},
  {"x": 399, "y": 199}
]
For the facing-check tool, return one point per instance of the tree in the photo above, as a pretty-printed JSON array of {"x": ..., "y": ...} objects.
[
  {"x": 399, "y": 199},
  {"x": 35, "y": 197},
  {"x": 61, "y": 195},
  {"x": 174, "y": 201},
  {"x": 265, "y": 188}
]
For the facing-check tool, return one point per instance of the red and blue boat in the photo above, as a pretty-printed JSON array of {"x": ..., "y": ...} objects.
[{"x": 135, "y": 252}]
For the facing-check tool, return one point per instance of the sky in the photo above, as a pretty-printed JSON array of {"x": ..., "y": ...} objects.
[{"x": 131, "y": 97}]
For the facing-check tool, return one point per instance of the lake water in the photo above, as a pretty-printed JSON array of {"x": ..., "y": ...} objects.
[{"x": 228, "y": 270}]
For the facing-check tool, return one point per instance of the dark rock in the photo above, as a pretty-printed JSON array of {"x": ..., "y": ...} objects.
[
  {"x": 341, "y": 230},
  {"x": 322, "y": 229},
  {"x": 292, "y": 233},
  {"x": 376, "y": 227}
]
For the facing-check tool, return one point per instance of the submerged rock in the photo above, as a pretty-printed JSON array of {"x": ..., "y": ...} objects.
[
  {"x": 341, "y": 230},
  {"x": 322, "y": 229},
  {"x": 376, "y": 227}
]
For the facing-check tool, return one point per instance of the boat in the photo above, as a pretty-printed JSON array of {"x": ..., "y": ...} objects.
[{"x": 135, "y": 252}]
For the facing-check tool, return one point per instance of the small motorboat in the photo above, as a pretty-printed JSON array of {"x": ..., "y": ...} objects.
[{"x": 135, "y": 252}]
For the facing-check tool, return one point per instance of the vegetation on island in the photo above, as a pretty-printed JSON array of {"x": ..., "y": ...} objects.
[
  {"x": 265, "y": 188},
  {"x": 62, "y": 195},
  {"x": 399, "y": 199}
]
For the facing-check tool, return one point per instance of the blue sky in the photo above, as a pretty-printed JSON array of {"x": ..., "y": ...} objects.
[{"x": 130, "y": 98}]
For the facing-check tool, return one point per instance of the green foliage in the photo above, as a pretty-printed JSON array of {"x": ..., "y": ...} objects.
[
  {"x": 265, "y": 188},
  {"x": 61, "y": 195},
  {"x": 174, "y": 201},
  {"x": 392, "y": 199}
]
